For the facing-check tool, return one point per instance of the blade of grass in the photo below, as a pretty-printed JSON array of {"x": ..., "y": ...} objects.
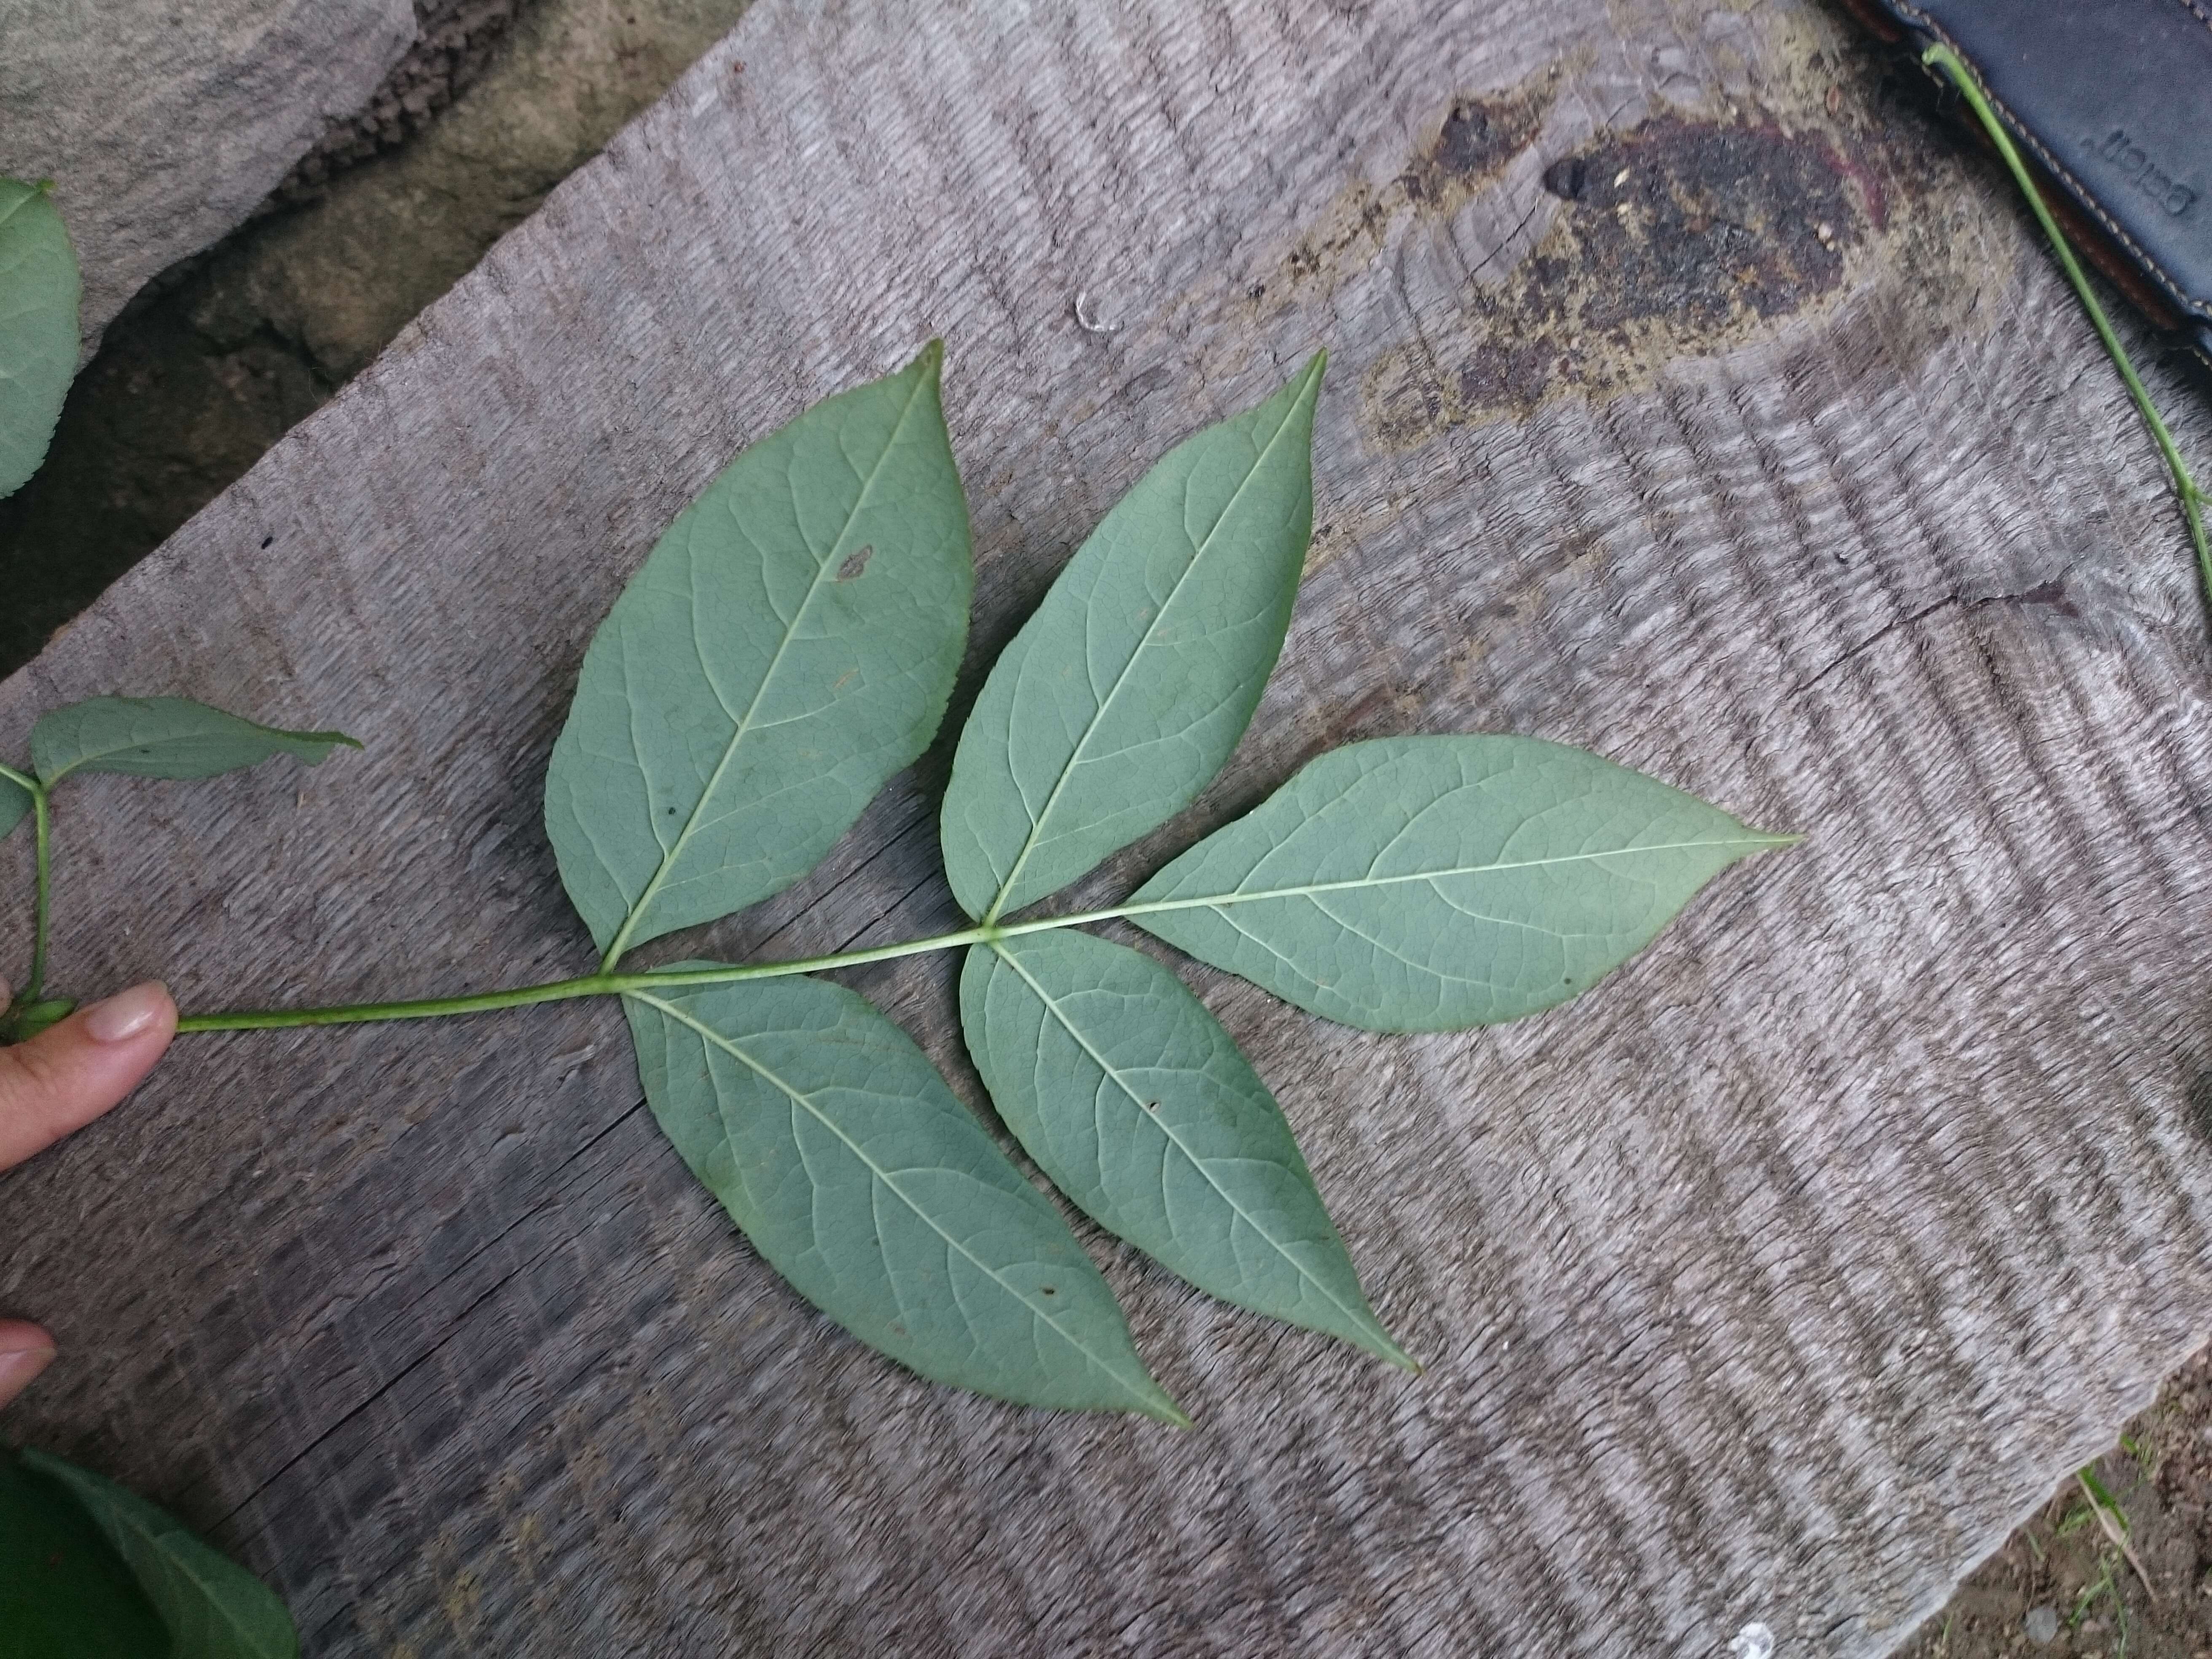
[
  {"x": 2113, "y": 1524},
  {"x": 2192, "y": 499}
]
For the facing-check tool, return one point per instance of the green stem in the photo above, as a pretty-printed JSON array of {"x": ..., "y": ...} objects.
[
  {"x": 42, "y": 857},
  {"x": 604, "y": 984},
  {"x": 362, "y": 1013},
  {"x": 590, "y": 985},
  {"x": 42, "y": 905},
  {"x": 2192, "y": 499}
]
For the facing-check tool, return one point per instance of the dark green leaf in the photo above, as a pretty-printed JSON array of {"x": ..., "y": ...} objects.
[
  {"x": 214, "y": 1608},
  {"x": 1136, "y": 1103},
  {"x": 38, "y": 326},
  {"x": 14, "y": 805},
  {"x": 162, "y": 737},
  {"x": 834, "y": 1143},
  {"x": 64, "y": 1593},
  {"x": 1122, "y": 695},
  {"x": 1432, "y": 884},
  {"x": 787, "y": 646}
]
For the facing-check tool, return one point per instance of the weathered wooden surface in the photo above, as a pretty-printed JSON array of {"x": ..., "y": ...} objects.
[{"x": 1771, "y": 1281}]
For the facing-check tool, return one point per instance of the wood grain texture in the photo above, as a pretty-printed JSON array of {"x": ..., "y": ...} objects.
[{"x": 1773, "y": 1280}]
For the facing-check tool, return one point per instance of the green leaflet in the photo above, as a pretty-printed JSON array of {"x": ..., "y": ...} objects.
[
  {"x": 1136, "y": 1103},
  {"x": 788, "y": 644},
  {"x": 38, "y": 292},
  {"x": 64, "y": 1593},
  {"x": 1122, "y": 695},
  {"x": 1434, "y": 882},
  {"x": 14, "y": 805},
  {"x": 834, "y": 1143},
  {"x": 214, "y": 1608},
  {"x": 162, "y": 737}
]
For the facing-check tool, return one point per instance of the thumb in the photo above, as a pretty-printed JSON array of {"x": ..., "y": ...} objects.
[
  {"x": 24, "y": 1351},
  {"x": 71, "y": 1073}
]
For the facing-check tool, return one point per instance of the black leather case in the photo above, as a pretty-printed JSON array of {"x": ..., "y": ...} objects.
[{"x": 2112, "y": 99}]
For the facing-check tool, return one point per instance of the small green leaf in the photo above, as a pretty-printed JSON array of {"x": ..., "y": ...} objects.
[
  {"x": 787, "y": 645},
  {"x": 1136, "y": 1103},
  {"x": 64, "y": 1593},
  {"x": 14, "y": 805},
  {"x": 1125, "y": 692},
  {"x": 214, "y": 1608},
  {"x": 834, "y": 1143},
  {"x": 39, "y": 291},
  {"x": 1430, "y": 883},
  {"x": 162, "y": 737}
]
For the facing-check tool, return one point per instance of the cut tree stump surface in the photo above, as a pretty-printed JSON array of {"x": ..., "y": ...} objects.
[{"x": 1771, "y": 1281}]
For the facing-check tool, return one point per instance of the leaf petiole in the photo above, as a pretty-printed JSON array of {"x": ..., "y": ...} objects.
[
  {"x": 42, "y": 856},
  {"x": 607, "y": 984},
  {"x": 1940, "y": 56},
  {"x": 565, "y": 990}
]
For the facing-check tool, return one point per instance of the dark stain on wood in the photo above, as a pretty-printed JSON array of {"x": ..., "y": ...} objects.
[
  {"x": 1474, "y": 141},
  {"x": 1689, "y": 221},
  {"x": 1480, "y": 136},
  {"x": 1688, "y": 234}
]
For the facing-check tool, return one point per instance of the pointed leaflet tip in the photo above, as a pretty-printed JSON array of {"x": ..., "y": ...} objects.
[
  {"x": 930, "y": 359},
  {"x": 1136, "y": 1103},
  {"x": 1169, "y": 1412},
  {"x": 1417, "y": 884},
  {"x": 163, "y": 737},
  {"x": 1177, "y": 606},
  {"x": 748, "y": 695}
]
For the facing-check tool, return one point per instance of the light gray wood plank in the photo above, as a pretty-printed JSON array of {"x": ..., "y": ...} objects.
[{"x": 1773, "y": 1280}]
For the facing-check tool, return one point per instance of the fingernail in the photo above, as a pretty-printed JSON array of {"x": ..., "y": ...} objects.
[
  {"x": 126, "y": 1013},
  {"x": 19, "y": 1366}
]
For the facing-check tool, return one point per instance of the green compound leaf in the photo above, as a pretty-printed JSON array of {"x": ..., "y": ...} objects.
[
  {"x": 1430, "y": 883},
  {"x": 64, "y": 1593},
  {"x": 1122, "y": 695},
  {"x": 14, "y": 805},
  {"x": 162, "y": 737},
  {"x": 38, "y": 292},
  {"x": 1136, "y": 1103},
  {"x": 214, "y": 1608},
  {"x": 834, "y": 1143},
  {"x": 788, "y": 644}
]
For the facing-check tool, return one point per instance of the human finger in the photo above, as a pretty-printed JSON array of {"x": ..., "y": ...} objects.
[
  {"x": 24, "y": 1351},
  {"x": 71, "y": 1073}
]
